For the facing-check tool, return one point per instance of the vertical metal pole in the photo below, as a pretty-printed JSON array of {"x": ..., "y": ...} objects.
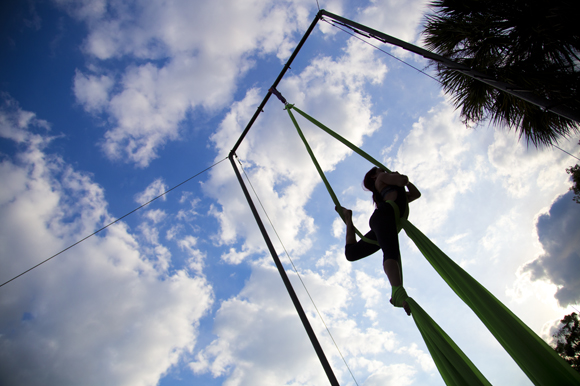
[{"x": 282, "y": 272}]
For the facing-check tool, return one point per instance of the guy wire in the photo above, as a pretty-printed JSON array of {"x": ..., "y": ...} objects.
[{"x": 108, "y": 225}]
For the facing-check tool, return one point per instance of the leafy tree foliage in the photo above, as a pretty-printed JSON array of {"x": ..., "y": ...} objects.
[
  {"x": 575, "y": 172},
  {"x": 531, "y": 43},
  {"x": 568, "y": 340}
]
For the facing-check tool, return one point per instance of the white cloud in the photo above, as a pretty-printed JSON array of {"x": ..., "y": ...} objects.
[
  {"x": 84, "y": 9},
  {"x": 401, "y": 22},
  {"x": 194, "y": 54},
  {"x": 14, "y": 121},
  {"x": 392, "y": 375},
  {"x": 260, "y": 339},
  {"x": 100, "y": 313},
  {"x": 437, "y": 156},
  {"x": 559, "y": 233},
  {"x": 155, "y": 215},
  {"x": 92, "y": 91},
  {"x": 423, "y": 358},
  {"x": 498, "y": 234},
  {"x": 372, "y": 289},
  {"x": 154, "y": 189},
  {"x": 518, "y": 165},
  {"x": 196, "y": 257}
]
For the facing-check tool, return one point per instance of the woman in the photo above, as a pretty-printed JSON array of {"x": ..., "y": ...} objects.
[{"x": 385, "y": 186}]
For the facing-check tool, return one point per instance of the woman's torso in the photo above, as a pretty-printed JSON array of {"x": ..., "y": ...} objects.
[{"x": 398, "y": 194}]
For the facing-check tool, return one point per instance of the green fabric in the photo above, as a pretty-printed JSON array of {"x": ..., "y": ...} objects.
[
  {"x": 535, "y": 357},
  {"x": 452, "y": 363},
  {"x": 317, "y": 165},
  {"x": 341, "y": 139},
  {"x": 398, "y": 295}
]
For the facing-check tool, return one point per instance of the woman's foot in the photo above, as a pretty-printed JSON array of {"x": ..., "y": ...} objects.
[
  {"x": 346, "y": 213},
  {"x": 406, "y": 307}
]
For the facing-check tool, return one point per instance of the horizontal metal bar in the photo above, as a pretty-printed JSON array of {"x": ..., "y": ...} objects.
[{"x": 515, "y": 90}]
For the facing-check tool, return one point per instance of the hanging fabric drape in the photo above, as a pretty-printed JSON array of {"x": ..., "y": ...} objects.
[
  {"x": 453, "y": 365},
  {"x": 535, "y": 357}
]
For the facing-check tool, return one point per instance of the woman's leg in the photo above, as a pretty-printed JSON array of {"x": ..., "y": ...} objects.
[
  {"x": 384, "y": 226},
  {"x": 355, "y": 250},
  {"x": 393, "y": 271},
  {"x": 350, "y": 233}
]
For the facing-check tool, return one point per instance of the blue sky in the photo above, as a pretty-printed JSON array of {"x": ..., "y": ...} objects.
[{"x": 105, "y": 104}]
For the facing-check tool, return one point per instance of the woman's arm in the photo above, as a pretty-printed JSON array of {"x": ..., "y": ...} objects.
[
  {"x": 396, "y": 179},
  {"x": 413, "y": 193}
]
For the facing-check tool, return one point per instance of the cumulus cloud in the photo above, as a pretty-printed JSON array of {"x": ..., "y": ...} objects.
[
  {"x": 392, "y": 375},
  {"x": 370, "y": 288},
  {"x": 559, "y": 234},
  {"x": 154, "y": 189},
  {"x": 184, "y": 55},
  {"x": 400, "y": 22},
  {"x": 260, "y": 340},
  {"x": 14, "y": 123},
  {"x": 436, "y": 155},
  {"x": 517, "y": 165},
  {"x": 92, "y": 91},
  {"x": 105, "y": 311}
]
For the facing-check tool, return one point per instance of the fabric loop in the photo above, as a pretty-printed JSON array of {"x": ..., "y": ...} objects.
[{"x": 399, "y": 295}]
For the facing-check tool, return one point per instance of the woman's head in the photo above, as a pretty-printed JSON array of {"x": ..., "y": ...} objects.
[
  {"x": 369, "y": 183},
  {"x": 370, "y": 178}
]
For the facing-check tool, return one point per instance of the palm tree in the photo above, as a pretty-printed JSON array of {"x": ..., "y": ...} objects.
[{"x": 534, "y": 44}]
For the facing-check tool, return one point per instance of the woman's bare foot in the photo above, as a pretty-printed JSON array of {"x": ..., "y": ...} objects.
[
  {"x": 406, "y": 307},
  {"x": 346, "y": 213}
]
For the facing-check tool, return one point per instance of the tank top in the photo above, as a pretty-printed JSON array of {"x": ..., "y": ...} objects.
[{"x": 401, "y": 200}]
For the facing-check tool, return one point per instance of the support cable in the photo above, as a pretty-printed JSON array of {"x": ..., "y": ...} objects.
[
  {"x": 378, "y": 48},
  {"x": 296, "y": 270},
  {"x": 108, "y": 225},
  {"x": 515, "y": 90},
  {"x": 354, "y": 35},
  {"x": 572, "y": 155}
]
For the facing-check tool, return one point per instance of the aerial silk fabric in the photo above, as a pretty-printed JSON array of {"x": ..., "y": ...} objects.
[
  {"x": 536, "y": 358},
  {"x": 453, "y": 365}
]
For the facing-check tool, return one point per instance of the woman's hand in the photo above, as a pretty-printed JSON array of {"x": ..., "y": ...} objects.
[{"x": 413, "y": 193}]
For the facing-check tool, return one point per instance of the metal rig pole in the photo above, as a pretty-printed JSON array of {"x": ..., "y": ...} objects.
[
  {"x": 278, "y": 79},
  {"x": 282, "y": 272}
]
